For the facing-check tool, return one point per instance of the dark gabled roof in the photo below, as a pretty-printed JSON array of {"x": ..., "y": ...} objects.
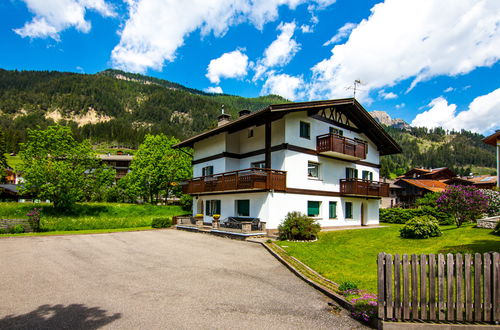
[
  {"x": 492, "y": 139},
  {"x": 353, "y": 110}
]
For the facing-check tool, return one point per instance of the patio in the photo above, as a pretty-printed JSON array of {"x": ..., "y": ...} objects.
[{"x": 233, "y": 226}]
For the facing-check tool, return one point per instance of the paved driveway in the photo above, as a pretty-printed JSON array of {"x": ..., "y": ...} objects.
[{"x": 163, "y": 279}]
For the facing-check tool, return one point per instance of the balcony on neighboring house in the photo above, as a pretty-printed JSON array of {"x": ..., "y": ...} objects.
[
  {"x": 359, "y": 187},
  {"x": 247, "y": 179},
  {"x": 340, "y": 146}
]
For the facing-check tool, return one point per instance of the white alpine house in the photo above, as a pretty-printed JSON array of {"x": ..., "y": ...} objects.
[{"x": 320, "y": 158}]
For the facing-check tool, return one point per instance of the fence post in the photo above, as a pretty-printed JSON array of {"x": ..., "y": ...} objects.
[
  {"x": 477, "y": 287},
  {"x": 450, "y": 280},
  {"x": 397, "y": 286},
  {"x": 388, "y": 287},
  {"x": 423, "y": 286},
  {"x": 381, "y": 285},
  {"x": 468, "y": 288},
  {"x": 406, "y": 288},
  {"x": 414, "y": 287},
  {"x": 432, "y": 287},
  {"x": 441, "y": 305},
  {"x": 459, "y": 271},
  {"x": 487, "y": 287},
  {"x": 496, "y": 286}
]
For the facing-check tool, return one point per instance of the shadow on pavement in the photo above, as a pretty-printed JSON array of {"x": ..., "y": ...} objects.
[{"x": 74, "y": 316}]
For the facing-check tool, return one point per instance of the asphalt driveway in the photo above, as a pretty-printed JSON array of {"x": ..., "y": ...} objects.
[{"x": 165, "y": 279}]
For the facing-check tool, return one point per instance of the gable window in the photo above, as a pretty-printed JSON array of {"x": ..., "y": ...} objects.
[
  {"x": 305, "y": 130},
  {"x": 212, "y": 207},
  {"x": 337, "y": 131},
  {"x": 207, "y": 170},
  {"x": 348, "y": 210},
  {"x": 261, "y": 164},
  {"x": 250, "y": 132},
  {"x": 367, "y": 175},
  {"x": 351, "y": 173},
  {"x": 313, "y": 170},
  {"x": 332, "y": 210},
  {"x": 313, "y": 208},
  {"x": 243, "y": 207}
]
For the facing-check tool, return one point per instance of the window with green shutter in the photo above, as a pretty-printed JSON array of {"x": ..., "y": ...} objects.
[
  {"x": 351, "y": 173},
  {"x": 313, "y": 208},
  {"x": 332, "y": 210},
  {"x": 243, "y": 208},
  {"x": 367, "y": 175},
  {"x": 305, "y": 130},
  {"x": 348, "y": 210}
]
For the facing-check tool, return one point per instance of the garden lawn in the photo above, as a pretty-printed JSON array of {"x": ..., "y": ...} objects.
[
  {"x": 351, "y": 255},
  {"x": 87, "y": 216}
]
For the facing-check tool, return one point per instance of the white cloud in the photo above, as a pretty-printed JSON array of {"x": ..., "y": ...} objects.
[
  {"x": 341, "y": 34},
  {"x": 481, "y": 115},
  {"x": 280, "y": 52},
  {"x": 401, "y": 105},
  {"x": 214, "y": 89},
  {"x": 306, "y": 28},
  {"x": 287, "y": 86},
  {"x": 157, "y": 28},
  {"x": 229, "y": 65},
  {"x": 387, "y": 96},
  {"x": 54, "y": 16},
  {"x": 449, "y": 89},
  {"x": 411, "y": 39}
]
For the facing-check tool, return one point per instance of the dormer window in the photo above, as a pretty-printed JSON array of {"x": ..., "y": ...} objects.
[{"x": 305, "y": 130}]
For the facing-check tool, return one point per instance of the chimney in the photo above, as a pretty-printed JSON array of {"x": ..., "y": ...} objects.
[
  {"x": 243, "y": 113},
  {"x": 223, "y": 118}
]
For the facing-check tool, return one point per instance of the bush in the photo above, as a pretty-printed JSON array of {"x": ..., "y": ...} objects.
[
  {"x": 17, "y": 229},
  {"x": 186, "y": 202},
  {"x": 161, "y": 222},
  {"x": 421, "y": 227},
  {"x": 348, "y": 287},
  {"x": 2, "y": 231},
  {"x": 365, "y": 307},
  {"x": 34, "y": 218},
  {"x": 493, "y": 201},
  {"x": 401, "y": 216},
  {"x": 298, "y": 226},
  {"x": 464, "y": 203},
  {"x": 496, "y": 231}
]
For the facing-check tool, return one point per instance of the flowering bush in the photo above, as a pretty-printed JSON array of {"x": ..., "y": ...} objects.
[
  {"x": 34, "y": 218},
  {"x": 365, "y": 307},
  {"x": 464, "y": 203},
  {"x": 493, "y": 201}
]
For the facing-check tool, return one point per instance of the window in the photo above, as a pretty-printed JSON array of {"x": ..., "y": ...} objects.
[
  {"x": 305, "y": 130},
  {"x": 337, "y": 131},
  {"x": 313, "y": 170},
  {"x": 313, "y": 208},
  {"x": 243, "y": 208},
  {"x": 261, "y": 164},
  {"x": 212, "y": 207},
  {"x": 348, "y": 210},
  {"x": 208, "y": 170},
  {"x": 367, "y": 175},
  {"x": 351, "y": 173},
  {"x": 250, "y": 132},
  {"x": 332, "y": 210}
]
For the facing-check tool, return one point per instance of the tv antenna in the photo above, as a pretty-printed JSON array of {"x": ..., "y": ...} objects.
[
  {"x": 222, "y": 109},
  {"x": 355, "y": 87}
]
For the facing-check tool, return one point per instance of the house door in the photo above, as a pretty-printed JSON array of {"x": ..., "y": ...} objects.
[
  {"x": 199, "y": 208},
  {"x": 363, "y": 214}
]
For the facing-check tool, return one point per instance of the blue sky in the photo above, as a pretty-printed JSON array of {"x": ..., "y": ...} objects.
[{"x": 432, "y": 63}]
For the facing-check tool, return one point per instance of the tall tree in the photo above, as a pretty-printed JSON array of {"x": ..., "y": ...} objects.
[
  {"x": 3, "y": 160},
  {"x": 55, "y": 165},
  {"x": 157, "y": 168}
]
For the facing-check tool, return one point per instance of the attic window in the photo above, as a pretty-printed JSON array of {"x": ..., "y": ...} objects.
[{"x": 250, "y": 132}]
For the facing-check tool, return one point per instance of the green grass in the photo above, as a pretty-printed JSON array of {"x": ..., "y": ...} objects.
[
  {"x": 77, "y": 232},
  {"x": 352, "y": 254},
  {"x": 88, "y": 216}
]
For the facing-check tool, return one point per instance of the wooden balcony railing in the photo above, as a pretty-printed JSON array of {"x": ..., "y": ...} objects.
[
  {"x": 247, "y": 179},
  {"x": 364, "y": 188},
  {"x": 342, "y": 146}
]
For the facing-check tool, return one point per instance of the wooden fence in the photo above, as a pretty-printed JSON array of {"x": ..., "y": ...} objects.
[{"x": 439, "y": 287}]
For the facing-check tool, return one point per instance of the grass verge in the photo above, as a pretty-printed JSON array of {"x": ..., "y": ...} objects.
[{"x": 77, "y": 232}]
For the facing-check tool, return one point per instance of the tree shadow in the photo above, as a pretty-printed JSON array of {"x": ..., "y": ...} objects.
[
  {"x": 74, "y": 316},
  {"x": 479, "y": 246}
]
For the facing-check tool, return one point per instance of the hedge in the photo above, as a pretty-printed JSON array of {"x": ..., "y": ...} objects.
[{"x": 401, "y": 216}]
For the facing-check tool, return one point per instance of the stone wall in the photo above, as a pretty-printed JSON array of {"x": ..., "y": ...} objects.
[
  {"x": 490, "y": 222},
  {"x": 7, "y": 223}
]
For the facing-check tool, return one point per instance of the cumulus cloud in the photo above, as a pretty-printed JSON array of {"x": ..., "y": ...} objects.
[
  {"x": 481, "y": 115},
  {"x": 449, "y": 89},
  {"x": 53, "y": 16},
  {"x": 214, "y": 89},
  {"x": 280, "y": 52},
  {"x": 287, "y": 86},
  {"x": 341, "y": 34},
  {"x": 229, "y": 65},
  {"x": 157, "y": 28},
  {"x": 411, "y": 39},
  {"x": 386, "y": 96}
]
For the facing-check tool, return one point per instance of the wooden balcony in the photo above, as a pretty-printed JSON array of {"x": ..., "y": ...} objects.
[
  {"x": 358, "y": 187},
  {"x": 340, "y": 146},
  {"x": 247, "y": 179}
]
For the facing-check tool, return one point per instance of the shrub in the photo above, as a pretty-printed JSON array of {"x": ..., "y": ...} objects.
[
  {"x": 496, "y": 231},
  {"x": 298, "y": 226},
  {"x": 17, "y": 229},
  {"x": 464, "y": 203},
  {"x": 186, "y": 202},
  {"x": 401, "y": 216},
  {"x": 348, "y": 287},
  {"x": 421, "y": 227},
  {"x": 34, "y": 219},
  {"x": 493, "y": 201},
  {"x": 161, "y": 222},
  {"x": 2, "y": 231}
]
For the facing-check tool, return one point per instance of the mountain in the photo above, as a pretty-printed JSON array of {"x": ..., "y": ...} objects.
[{"x": 383, "y": 118}]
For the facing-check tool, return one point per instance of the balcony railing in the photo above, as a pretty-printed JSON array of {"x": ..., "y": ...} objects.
[
  {"x": 247, "y": 179},
  {"x": 341, "y": 146},
  {"x": 360, "y": 187}
]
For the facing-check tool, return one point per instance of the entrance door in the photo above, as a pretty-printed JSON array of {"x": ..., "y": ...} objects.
[{"x": 363, "y": 214}]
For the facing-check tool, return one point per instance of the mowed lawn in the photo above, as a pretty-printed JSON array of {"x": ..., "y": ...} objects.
[
  {"x": 88, "y": 216},
  {"x": 351, "y": 255}
]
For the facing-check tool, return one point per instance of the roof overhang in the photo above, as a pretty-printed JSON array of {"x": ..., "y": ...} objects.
[{"x": 492, "y": 139}]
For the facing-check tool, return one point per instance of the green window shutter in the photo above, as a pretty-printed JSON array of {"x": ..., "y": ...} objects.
[
  {"x": 332, "y": 210},
  {"x": 356, "y": 173},
  {"x": 217, "y": 207},
  {"x": 371, "y": 176},
  {"x": 243, "y": 208},
  {"x": 348, "y": 210},
  {"x": 207, "y": 207},
  {"x": 312, "y": 208}
]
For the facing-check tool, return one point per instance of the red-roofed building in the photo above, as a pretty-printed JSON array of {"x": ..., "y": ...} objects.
[{"x": 494, "y": 140}]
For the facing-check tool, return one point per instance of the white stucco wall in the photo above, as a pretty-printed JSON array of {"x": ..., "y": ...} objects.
[{"x": 210, "y": 146}]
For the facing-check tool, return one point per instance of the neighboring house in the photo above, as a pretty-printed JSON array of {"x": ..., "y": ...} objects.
[
  {"x": 393, "y": 199},
  {"x": 120, "y": 162},
  {"x": 12, "y": 177},
  {"x": 482, "y": 181},
  {"x": 320, "y": 158},
  {"x": 9, "y": 192},
  {"x": 494, "y": 140}
]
